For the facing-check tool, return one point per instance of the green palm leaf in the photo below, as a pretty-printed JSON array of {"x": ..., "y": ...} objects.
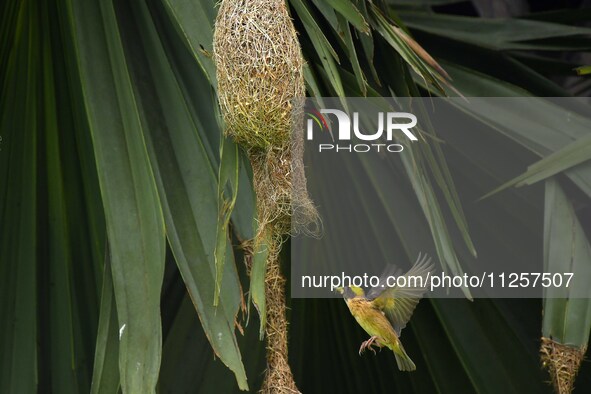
[{"x": 117, "y": 271}]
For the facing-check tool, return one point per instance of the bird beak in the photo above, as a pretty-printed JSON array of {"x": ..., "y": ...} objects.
[{"x": 340, "y": 290}]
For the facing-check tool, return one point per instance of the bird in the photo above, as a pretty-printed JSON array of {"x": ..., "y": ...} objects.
[{"x": 385, "y": 310}]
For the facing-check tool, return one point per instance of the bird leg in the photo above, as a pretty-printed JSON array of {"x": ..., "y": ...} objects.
[
  {"x": 367, "y": 345},
  {"x": 378, "y": 344}
]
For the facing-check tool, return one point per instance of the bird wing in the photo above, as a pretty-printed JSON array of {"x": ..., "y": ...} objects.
[
  {"x": 399, "y": 302},
  {"x": 390, "y": 271}
]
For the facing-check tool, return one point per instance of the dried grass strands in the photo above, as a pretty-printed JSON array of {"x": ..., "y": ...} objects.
[
  {"x": 562, "y": 363},
  {"x": 260, "y": 73},
  {"x": 278, "y": 378}
]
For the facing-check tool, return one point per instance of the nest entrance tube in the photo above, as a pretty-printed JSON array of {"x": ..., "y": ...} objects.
[
  {"x": 278, "y": 378},
  {"x": 259, "y": 69},
  {"x": 562, "y": 363}
]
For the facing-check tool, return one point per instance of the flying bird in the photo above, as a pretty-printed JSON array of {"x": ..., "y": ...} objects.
[{"x": 385, "y": 310}]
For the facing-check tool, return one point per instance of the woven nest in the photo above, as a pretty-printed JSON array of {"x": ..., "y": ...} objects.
[
  {"x": 282, "y": 196},
  {"x": 562, "y": 363},
  {"x": 260, "y": 77},
  {"x": 259, "y": 71},
  {"x": 279, "y": 378}
]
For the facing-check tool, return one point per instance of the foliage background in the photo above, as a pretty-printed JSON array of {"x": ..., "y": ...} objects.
[{"x": 108, "y": 192}]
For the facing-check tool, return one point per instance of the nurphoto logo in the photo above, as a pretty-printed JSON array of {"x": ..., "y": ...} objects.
[{"x": 348, "y": 131}]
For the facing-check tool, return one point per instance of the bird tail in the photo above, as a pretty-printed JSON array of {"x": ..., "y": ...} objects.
[{"x": 402, "y": 359}]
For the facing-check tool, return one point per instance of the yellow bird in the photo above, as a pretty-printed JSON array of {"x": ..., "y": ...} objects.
[{"x": 385, "y": 310}]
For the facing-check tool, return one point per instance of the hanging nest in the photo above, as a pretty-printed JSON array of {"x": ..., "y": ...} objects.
[
  {"x": 282, "y": 197},
  {"x": 562, "y": 363},
  {"x": 260, "y": 85},
  {"x": 259, "y": 71},
  {"x": 279, "y": 378},
  {"x": 259, "y": 68}
]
